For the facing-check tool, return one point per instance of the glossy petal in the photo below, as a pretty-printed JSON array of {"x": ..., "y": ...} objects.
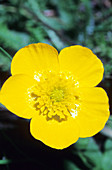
[
  {"x": 34, "y": 58},
  {"x": 94, "y": 111},
  {"x": 85, "y": 65},
  {"x": 55, "y": 134},
  {"x": 14, "y": 95}
]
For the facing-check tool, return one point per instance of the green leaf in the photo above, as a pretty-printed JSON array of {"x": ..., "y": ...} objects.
[
  {"x": 37, "y": 33},
  {"x": 107, "y": 156},
  {"x": 4, "y": 62},
  {"x": 109, "y": 123},
  {"x": 5, "y": 161},
  {"x": 55, "y": 39},
  {"x": 12, "y": 39},
  {"x": 82, "y": 143},
  {"x": 53, "y": 22},
  {"x": 92, "y": 156},
  {"x": 68, "y": 165}
]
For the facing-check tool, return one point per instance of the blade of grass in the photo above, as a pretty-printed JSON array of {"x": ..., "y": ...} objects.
[{"x": 8, "y": 55}]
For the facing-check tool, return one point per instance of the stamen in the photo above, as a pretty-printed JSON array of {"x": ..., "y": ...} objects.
[{"x": 55, "y": 95}]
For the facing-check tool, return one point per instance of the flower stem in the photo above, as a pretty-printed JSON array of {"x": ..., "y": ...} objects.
[{"x": 8, "y": 55}]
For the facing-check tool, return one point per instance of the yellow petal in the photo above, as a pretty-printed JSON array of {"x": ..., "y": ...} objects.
[
  {"x": 33, "y": 58},
  {"x": 94, "y": 111},
  {"x": 81, "y": 62},
  {"x": 14, "y": 95},
  {"x": 55, "y": 134}
]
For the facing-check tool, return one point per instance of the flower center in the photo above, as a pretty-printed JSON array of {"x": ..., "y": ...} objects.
[{"x": 55, "y": 95}]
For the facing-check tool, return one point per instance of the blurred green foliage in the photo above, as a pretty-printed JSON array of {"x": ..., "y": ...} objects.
[
  {"x": 62, "y": 23},
  {"x": 59, "y": 23}
]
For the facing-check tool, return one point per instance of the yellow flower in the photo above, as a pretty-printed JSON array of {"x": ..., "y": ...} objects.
[{"x": 58, "y": 92}]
